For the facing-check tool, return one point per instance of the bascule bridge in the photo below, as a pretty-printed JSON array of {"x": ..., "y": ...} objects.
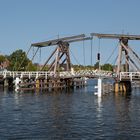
[
  {"x": 131, "y": 59},
  {"x": 60, "y": 57},
  {"x": 59, "y": 63}
]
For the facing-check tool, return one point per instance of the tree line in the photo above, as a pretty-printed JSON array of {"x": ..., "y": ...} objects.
[{"x": 18, "y": 61}]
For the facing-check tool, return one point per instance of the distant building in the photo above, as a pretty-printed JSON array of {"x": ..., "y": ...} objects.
[{"x": 4, "y": 64}]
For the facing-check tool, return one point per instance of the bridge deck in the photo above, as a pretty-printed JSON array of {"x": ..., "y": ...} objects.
[
  {"x": 132, "y": 76},
  {"x": 46, "y": 75}
]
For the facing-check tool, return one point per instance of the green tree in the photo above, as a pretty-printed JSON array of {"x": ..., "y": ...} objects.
[
  {"x": 31, "y": 66},
  {"x": 107, "y": 67},
  {"x": 18, "y": 60},
  {"x": 2, "y": 59},
  {"x": 96, "y": 66}
]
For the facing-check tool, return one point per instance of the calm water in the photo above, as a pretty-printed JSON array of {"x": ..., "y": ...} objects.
[{"x": 76, "y": 115}]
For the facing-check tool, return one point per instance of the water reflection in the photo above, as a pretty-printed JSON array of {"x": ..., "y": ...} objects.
[
  {"x": 99, "y": 107},
  {"x": 123, "y": 113},
  {"x": 71, "y": 114},
  {"x": 16, "y": 98}
]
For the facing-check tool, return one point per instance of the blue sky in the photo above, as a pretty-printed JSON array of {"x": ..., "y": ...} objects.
[{"x": 23, "y": 22}]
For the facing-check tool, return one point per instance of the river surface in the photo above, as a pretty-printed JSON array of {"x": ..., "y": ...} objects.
[{"x": 70, "y": 115}]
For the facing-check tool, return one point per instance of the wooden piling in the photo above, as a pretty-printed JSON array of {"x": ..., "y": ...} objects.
[
  {"x": 116, "y": 87},
  {"x": 122, "y": 86},
  {"x": 37, "y": 84}
]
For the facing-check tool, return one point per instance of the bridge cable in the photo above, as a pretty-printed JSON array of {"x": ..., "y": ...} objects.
[
  {"x": 32, "y": 58},
  {"x": 24, "y": 58},
  {"x": 91, "y": 50},
  {"x": 75, "y": 58},
  {"x": 111, "y": 55},
  {"x": 40, "y": 59},
  {"x": 134, "y": 65},
  {"x": 14, "y": 68},
  {"x": 115, "y": 60},
  {"x": 99, "y": 43},
  {"x": 98, "y": 54},
  {"x": 134, "y": 54},
  {"x": 84, "y": 51}
]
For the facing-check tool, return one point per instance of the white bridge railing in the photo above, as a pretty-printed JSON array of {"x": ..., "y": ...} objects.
[
  {"x": 28, "y": 74},
  {"x": 45, "y": 74},
  {"x": 130, "y": 76},
  {"x": 36, "y": 74},
  {"x": 95, "y": 73}
]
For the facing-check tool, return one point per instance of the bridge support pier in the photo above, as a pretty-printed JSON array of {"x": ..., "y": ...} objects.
[
  {"x": 122, "y": 86},
  {"x": 6, "y": 83}
]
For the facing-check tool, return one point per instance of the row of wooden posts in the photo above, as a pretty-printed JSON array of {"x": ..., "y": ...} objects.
[
  {"x": 122, "y": 86},
  {"x": 43, "y": 84},
  {"x": 57, "y": 83}
]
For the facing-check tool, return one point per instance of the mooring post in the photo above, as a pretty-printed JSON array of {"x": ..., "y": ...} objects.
[
  {"x": 17, "y": 82},
  {"x": 37, "y": 84},
  {"x": 116, "y": 87},
  {"x": 99, "y": 88}
]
